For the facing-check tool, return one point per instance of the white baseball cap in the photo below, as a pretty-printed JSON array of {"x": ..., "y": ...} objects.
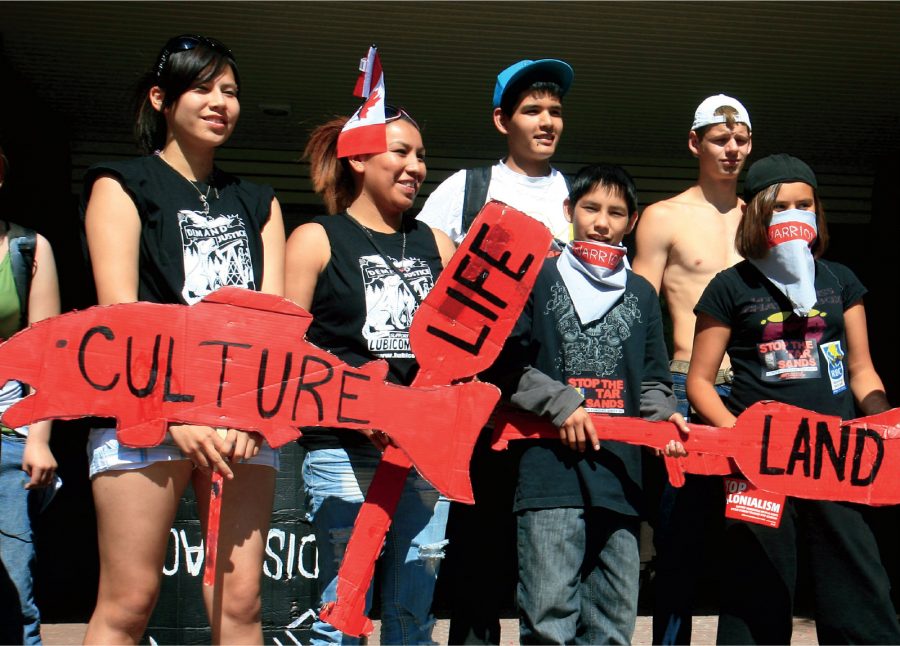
[{"x": 704, "y": 116}]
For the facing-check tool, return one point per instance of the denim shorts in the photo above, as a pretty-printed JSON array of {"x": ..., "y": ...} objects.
[{"x": 106, "y": 454}]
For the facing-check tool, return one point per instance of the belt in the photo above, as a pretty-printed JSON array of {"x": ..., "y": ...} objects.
[{"x": 723, "y": 376}]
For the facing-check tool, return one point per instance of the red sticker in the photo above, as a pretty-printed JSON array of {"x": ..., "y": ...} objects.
[{"x": 745, "y": 502}]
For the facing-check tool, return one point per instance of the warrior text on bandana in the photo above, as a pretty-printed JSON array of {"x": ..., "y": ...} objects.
[
  {"x": 787, "y": 231},
  {"x": 216, "y": 254},
  {"x": 390, "y": 305}
]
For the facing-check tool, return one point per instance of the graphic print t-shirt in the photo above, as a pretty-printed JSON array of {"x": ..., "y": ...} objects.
[
  {"x": 184, "y": 252},
  {"x": 390, "y": 304},
  {"x": 362, "y": 309},
  {"x": 216, "y": 252},
  {"x": 608, "y": 361},
  {"x": 778, "y": 355}
]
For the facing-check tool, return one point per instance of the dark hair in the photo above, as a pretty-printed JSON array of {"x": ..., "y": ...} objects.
[
  {"x": 331, "y": 175},
  {"x": 525, "y": 87},
  {"x": 4, "y": 166},
  {"x": 731, "y": 121},
  {"x": 609, "y": 176},
  {"x": 752, "y": 237},
  {"x": 175, "y": 72}
]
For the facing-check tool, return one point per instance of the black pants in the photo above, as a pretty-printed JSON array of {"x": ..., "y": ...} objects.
[
  {"x": 850, "y": 587},
  {"x": 686, "y": 534},
  {"x": 481, "y": 555}
]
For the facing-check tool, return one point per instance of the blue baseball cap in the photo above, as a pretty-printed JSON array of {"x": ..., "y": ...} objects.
[{"x": 549, "y": 69}]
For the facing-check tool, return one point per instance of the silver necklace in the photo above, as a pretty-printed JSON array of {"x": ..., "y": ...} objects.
[
  {"x": 204, "y": 199},
  {"x": 398, "y": 266}
]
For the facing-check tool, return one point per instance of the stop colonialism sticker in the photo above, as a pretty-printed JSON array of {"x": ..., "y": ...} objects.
[{"x": 745, "y": 502}]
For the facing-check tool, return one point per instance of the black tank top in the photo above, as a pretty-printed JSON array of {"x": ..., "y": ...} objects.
[{"x": 362, "y": 309}]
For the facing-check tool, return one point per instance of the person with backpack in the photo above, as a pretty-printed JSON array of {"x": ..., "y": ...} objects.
[
  {"x": 527, "y": 110},
  {"x": 29, "y": 292}
]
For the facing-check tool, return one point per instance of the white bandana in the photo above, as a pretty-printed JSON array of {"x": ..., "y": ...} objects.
[
  {"x": 594, "y": 275},
  {"x": 790, "y": 265}
]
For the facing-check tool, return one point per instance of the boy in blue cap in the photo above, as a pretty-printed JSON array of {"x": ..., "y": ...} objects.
[{"x": 527, "y": 110}]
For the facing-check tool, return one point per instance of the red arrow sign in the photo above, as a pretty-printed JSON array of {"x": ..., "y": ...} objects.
[
  {"x": 777, "y": 447},
  {"x": 238, "y": 359},
  {"x": 458, "y": 331}
]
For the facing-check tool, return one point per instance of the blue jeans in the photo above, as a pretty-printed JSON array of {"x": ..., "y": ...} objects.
[
  {"x": 18, "y": 612},
  {"x": 336, "y": 481},
  {"x": 687, "y": 516},
  {"x": 579, "y": 575}
]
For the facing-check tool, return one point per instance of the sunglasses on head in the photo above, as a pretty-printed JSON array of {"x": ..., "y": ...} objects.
[
  {"x": 188, "y": 42},
  {"x": 392, "y": 113}
]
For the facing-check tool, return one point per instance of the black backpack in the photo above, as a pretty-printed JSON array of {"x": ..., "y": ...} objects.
[
  {"x": 22, "y": 242},
  {"x": 477, "y": 182}
]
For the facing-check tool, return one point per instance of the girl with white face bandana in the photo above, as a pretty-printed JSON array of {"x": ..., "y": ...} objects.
[{"x": 794, "y": 327}]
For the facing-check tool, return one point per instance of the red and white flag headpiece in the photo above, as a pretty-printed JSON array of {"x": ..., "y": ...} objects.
[{"x": 366, "y": 131}]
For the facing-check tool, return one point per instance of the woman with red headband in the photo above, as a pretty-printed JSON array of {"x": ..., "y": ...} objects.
[
  {"x": 362, "y": 272},
  {"x": 171, "y": 227}
]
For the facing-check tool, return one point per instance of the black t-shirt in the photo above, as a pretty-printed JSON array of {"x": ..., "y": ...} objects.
[
  {"x": 777, "y": 355},
  {"x": 184, "y": 253},
  {"x": 608, "y": 361},
  {"x": 361, "y": 308}
]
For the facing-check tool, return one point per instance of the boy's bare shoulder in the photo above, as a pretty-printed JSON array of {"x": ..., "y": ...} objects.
[{"x": 685, "y": 203}]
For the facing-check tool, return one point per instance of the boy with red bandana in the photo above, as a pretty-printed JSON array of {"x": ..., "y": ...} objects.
[{"x": 590, "y": 340}]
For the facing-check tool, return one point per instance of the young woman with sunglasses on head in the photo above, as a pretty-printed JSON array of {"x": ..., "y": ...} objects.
[
  {"x": 171, "y": 227},
  {"x": 794, "y": 327},
  {"x": 362, "y": 272}
]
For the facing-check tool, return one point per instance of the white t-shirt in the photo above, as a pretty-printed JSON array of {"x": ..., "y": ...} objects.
[{"x": 540, "y": 197}]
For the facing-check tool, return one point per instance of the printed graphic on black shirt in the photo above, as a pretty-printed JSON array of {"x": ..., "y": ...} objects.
[
  {"x": 790, "y": 346},
  {"x": 594, "y": 349},
  {"x": 216, "y": 254},
  {"x": 389, "y": 303},
  {"x": 604, "y": 396}
]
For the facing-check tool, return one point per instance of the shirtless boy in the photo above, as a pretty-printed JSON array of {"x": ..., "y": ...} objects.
[{"x": 682, "y": 243}]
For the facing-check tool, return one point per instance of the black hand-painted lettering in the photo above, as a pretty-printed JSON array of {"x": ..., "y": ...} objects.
[
  {"x": 502, "y": 262},
  {"x": 350, "y": 396},
  {"x": 800, "y": 451},
  {"x": 107, "y": 334},
  {"x": 168, "y": 395},
  {"x": 764, "y": 468},
  {"x": 471, "y": 304},
  {"x": 838, "y": 458},
  {"x": 859, "y": 450},
  {"x": 225, "y": 345},
  {"x": 154, "y": 369},
  {"x": 261, "y": 384},
  {"x": 310, "y": 386},
  {"x": 472, "y": 348},
  {"x": 477, "y": 284}
]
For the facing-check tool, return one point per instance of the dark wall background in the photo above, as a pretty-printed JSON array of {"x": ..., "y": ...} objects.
[{"x": 38, "y": 194}]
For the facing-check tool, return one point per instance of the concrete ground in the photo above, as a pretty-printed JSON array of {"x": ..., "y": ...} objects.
[{"x": 704, "y": 632}]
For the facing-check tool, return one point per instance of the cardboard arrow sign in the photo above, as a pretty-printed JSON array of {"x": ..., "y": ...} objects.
[
  {"x": 457, "y": 332},
  {"x": 777, "y": 447},
  {"x": 238, "y": 359}
]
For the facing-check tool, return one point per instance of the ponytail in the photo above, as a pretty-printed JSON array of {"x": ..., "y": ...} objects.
[{"x": 331, "y": 177}]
